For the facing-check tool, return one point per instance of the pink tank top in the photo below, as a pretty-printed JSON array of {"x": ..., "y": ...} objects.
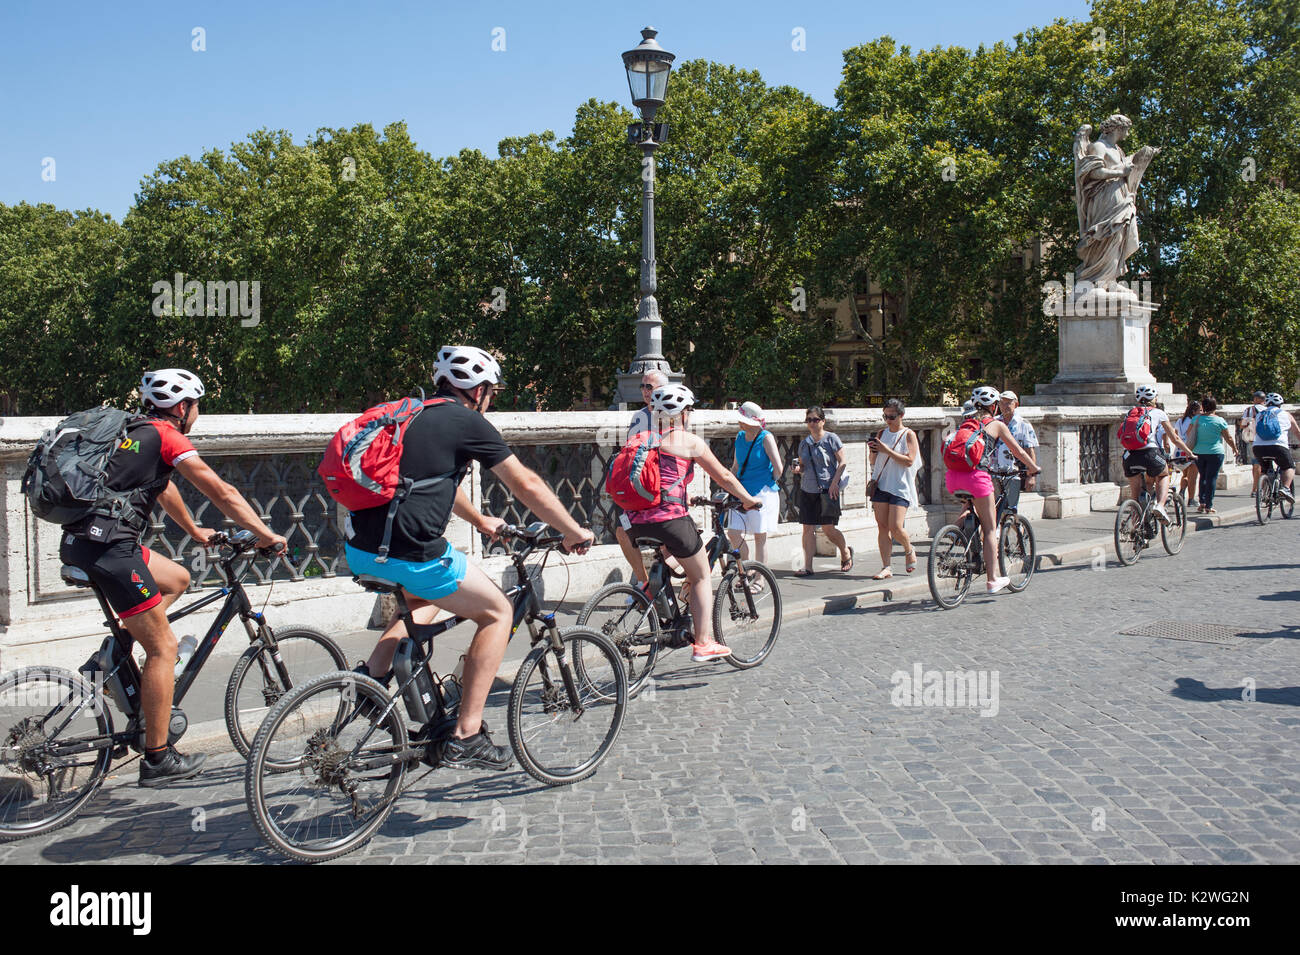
[{"x": 671, "y": 483}]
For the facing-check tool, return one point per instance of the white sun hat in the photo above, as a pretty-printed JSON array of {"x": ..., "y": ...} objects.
[{"x": 751, "y": 414}]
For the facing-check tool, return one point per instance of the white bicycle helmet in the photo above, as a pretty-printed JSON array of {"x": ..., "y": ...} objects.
[
  {"x": 984, "y": 396},
  {"x": 671, "y": 400},
  {"x": 1146, "y": 393},
  {"x": 465, "y": 366},
  {"x": 168, "y": 387},
  {"x": 1274, "y": 399}
]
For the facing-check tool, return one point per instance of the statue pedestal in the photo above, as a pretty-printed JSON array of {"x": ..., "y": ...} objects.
[{"x": 1105, "y": 353}]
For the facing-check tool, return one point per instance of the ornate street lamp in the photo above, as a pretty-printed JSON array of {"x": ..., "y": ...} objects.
[{"x": 648, "y": 66}]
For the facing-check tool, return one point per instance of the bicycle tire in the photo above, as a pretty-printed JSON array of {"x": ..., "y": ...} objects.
[
  {"x": 537, "y": 705},
  {"x": 1017, "y": 551},
  {"x": 1174, "y": 533},
  {"x": 321, "y": 753},
  {"x": 1285, "y": 508},
  {"x": 17, "y": 775},
  {"x": 731, "y": 611},
  {"x": 1263, "y": 501},
  {"x": 1127, "y": 527},
  {"x": 948, "y": 562},
  {"x": 624, "y": 614},
  {"x": 242, "y": 722}
]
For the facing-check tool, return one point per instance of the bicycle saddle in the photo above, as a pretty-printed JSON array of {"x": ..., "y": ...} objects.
[
  {"x": 377, "y": 585},
  {"x": 74, "y": 576}
]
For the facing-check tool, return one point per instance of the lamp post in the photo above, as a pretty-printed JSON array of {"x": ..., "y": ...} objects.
[{"x": 648, "y": 66}]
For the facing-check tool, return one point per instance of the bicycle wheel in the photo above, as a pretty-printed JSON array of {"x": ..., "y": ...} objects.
[
  {"x": 1284, "y": 507},
  {"x": 256, "y": 684},
  {"x": 1172, "y": 534},
  {"x": 41, "y": 788},
  {"x": 747, "y": 614},
  {"x": 1017, "y": 552},
  {"x": 554, "y": 743},
  {"x": 331, "y": 801},
  {"x": 1127, "y": 532},
  {"x": 949, "y": 571},
  {"x": 625, "y": 615},
  {"x": 1264, "y": 500}
]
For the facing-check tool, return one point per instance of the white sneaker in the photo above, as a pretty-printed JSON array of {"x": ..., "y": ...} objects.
[
  {"x": 997, "y": 584},
  {"x": 1160, "y": 513}
]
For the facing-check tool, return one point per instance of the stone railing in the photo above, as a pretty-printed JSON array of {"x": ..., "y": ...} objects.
[{"x": 271, "y": 459}]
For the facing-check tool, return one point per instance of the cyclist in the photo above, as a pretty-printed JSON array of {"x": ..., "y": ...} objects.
[
  {"x": 1276, "y": 449},
  {"x": 443, "y": 440},
  {"x": 642, "y": 420},
  {"x": 669, "y": 523},
  {"x": 141, "y": 584},
  {"x": 1162, "y": 432},
  {"x": 979, "y": 485}
]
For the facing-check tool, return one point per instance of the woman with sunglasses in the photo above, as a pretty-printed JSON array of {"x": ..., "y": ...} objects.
[
  {"x": 894, "y": 454},
  {"x": 820, "y": 465}
]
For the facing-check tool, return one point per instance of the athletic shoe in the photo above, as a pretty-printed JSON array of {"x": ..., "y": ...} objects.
[
  {"x": 172, "y": 768},
  {"x": 475, "y": 752},
  {"x": 1161, "y": 514},
  {"x": 997, "y": 584},
  {"x": 364, "y": 669},
  {"x": 705, "y": 652},
  {"x": 1286, "y": 493}
]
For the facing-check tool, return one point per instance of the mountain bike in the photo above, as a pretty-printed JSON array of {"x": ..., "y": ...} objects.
[
  {"x": 331, "y": 759},
  {"x": 57, "y": 738},
  {"x": 642, "y": 619},
  {"x": 1270, "y": 494},
  {"x": 1136, "y": 524},
  {"x": 957, "y": 552}
]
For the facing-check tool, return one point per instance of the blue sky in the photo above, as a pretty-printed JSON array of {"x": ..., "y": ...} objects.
[{"x": 109, "y": 90}]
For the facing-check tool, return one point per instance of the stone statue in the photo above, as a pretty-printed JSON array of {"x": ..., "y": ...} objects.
[{"x": 1105, "y": 189}]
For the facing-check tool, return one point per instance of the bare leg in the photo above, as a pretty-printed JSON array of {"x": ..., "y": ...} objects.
[
  {"x": 152, "y": 631},
  {"x": 883, "y": 540},
  {"x": 631, "y": 553},
  {"x": 809, "y": 545},
  {"x": 898, "y": 528},
  {"x": 984, "y": 508},
  {"x": 760, "y": 548},
  {"x": 737, "y": 539},
  {"x": 701, "y": 595},
  {"x": 171, "y": 578},
  {"x": 835, "y": 537}
]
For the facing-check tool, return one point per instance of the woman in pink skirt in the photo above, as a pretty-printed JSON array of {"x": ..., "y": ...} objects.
[{"x": 979, "y": 485}]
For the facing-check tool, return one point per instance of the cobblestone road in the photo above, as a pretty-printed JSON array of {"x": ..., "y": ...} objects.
[{"x": 1103, "y": 747}]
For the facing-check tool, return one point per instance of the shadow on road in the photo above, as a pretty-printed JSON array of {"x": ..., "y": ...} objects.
[{"x": 1189, "y": 689}]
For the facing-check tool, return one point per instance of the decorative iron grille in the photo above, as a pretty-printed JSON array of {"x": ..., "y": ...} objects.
[
  {"x": 925, "y": 439},
  {"x": 1094, "y": 453},
  {"x": 575, "y": 472},
  {"x": 287, "y": 493}
]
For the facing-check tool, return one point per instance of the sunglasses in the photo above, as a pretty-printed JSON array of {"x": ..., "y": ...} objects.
[
  {"x": 647, "y": 387},
  {"x": 891, "y": 417},
  {"x": 811, "y": 420}
]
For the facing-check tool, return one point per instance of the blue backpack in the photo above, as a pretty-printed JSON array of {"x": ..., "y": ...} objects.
[{"x": 1267, "y": 425}]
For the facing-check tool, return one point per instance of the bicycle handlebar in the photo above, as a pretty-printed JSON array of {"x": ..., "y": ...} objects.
[
  {"x": 730, "y": 504},
  {"x": 239, "y": 542}
]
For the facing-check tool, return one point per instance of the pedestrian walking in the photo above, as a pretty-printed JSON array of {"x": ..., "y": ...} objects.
[
  {"x": 820, "y": 465},
  {"x": 1207, "y": 436},
  {"x": 756, "y": 464},
  {"x": 1188, "y": 485},
  {"x": 895, "y": 457}
]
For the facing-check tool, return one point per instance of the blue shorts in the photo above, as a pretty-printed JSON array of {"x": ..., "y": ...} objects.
[{"x": 429, "y": 580}]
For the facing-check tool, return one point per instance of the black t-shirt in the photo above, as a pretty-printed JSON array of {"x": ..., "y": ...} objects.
[
  {"x": 442, "y": 438},
  {"x": 151, "y": 451}
]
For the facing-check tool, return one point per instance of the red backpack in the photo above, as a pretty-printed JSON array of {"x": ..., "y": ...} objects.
[
  {"x": 634, "y": 478},
  {"x": 362, "y": 463},
  {"x": 1136, "y": 429},
  {"x": 965, "y": 449}
]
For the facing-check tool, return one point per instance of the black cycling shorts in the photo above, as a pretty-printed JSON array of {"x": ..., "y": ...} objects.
[
  {"x": 1277, "y": 454},
  {"x": 680, "y": 536},
  {"x": 120, "y": 570},
  {"x": 1149, "y": 458}
]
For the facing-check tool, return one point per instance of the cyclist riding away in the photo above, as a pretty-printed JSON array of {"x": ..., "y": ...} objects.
[
  {"x": 1272, "y": 436},
  {"x": 1145, "y": 433},
  {"x": 641, "y": 421},
  {"x": 141, "y": 584},
  {"x": 669, "y": 524},
  {"x": 442, "y": 442},
  {"x": 967, "y": 459}
]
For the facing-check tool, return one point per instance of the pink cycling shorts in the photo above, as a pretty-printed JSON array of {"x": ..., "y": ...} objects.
[{"x": 977, "y": 483}]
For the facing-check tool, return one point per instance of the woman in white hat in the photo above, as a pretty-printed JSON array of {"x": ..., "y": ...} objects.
[{"x": 757, "y": 463}]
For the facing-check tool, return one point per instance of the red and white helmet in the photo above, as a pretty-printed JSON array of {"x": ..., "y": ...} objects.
[
  {"x": 170, "y": 386},
  {"x": 464, "y": 366}
]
